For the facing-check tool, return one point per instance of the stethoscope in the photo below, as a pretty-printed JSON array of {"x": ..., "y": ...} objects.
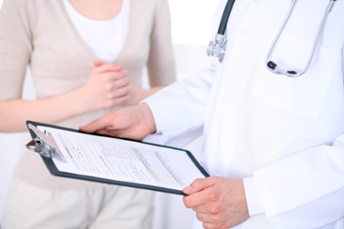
[{"x": 217, "y": 47}]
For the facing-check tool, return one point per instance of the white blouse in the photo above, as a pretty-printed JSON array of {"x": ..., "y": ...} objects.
[{"x": 105, "y": 37}]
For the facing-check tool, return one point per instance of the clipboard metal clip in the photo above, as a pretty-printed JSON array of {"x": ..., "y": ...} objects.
[{"x": 43, "y": 143}]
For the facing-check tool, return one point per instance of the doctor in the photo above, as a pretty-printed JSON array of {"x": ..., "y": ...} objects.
[{"x": 273, "y": 143}]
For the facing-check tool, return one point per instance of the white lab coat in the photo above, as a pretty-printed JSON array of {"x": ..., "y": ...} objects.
[{"x": 284, "y": 136}]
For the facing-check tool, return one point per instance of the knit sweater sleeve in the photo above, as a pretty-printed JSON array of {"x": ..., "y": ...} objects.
[
  {"x": 161, "y": 64},
  {"x": 15, "y": 47}
]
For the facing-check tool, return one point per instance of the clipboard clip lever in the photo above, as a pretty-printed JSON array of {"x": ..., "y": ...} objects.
[
  {"x": 43, "y": 143},
  {"x": 39, "y": 146}
]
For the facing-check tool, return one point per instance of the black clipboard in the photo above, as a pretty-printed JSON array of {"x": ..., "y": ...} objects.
[{"x": 44, "y": 144}]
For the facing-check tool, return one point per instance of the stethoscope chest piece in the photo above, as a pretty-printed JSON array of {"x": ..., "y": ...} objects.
[{"x": 217, "y": 47}]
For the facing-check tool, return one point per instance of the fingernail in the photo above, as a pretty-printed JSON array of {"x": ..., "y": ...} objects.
[{"x": 187, "y": 189}]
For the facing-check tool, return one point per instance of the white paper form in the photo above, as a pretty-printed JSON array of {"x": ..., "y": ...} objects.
[{"x": 123, "y": 160}]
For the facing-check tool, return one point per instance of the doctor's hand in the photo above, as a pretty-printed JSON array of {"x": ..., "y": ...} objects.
[
  {"x": 135, "y": 122},
  {"x": 219, "y": 203},
  {"x": 108, "y": 85}
]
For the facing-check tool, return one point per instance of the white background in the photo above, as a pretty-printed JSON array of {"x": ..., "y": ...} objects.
[{"x": 191, "y": 32}]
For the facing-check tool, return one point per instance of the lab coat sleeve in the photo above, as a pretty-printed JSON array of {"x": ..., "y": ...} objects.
[
  {"x": 179, "y": 109},
  {"x": 254, "y": 204},
  {"x": 314, "y": 196}
]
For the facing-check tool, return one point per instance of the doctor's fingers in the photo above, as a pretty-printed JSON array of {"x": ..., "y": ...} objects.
[
  {"x": 221, "y": 220},
  {"x": 133, "y": 122},
  {"x": 121, "y": 133},
  {"x": 123, "y": 122},
  {"x": 99, "y": 124},
  {"x": 213, "y": 221},
  {"x": 199, "y": 201},
  {"x": 212, "y": 193},
  {"x": 218, "y": 215},
  {"x": 204, "y": 202},
  {"x": 201, "y": 184}
]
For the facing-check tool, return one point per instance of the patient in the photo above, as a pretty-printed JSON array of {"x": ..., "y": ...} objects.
[{"x": 86, "y": 59}]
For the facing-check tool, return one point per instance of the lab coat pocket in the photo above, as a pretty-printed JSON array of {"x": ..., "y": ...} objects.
[{"x": 305, "y": 94}]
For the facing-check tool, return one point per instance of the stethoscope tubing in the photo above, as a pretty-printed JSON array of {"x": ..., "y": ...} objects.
[
  {"x": 225, "y": 17},
  {"x": 217, "y": 47},
  {"x": 273, "y": 67}
]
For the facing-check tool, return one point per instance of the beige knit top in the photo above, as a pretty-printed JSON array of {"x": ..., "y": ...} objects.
[{"x": 39, "y": 34}]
